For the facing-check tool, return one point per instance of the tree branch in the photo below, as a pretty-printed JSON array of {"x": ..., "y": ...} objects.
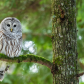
[
  {"x": 80, "y": 74},
  {"x": 27, "y": 58}
]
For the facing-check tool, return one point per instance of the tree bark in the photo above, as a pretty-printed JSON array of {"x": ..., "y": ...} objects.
[{"x": 64, "y": 35}]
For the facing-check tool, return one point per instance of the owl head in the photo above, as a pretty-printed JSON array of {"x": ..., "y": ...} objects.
[{"x": 11, "y": 27}]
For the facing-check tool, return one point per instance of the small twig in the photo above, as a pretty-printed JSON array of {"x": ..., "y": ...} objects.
[
  {"x": 80, "y": 74},
  {"x": 7, "y": 68}
]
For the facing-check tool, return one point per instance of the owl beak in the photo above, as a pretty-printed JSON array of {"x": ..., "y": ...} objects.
[{"x": 11, "y": 29}]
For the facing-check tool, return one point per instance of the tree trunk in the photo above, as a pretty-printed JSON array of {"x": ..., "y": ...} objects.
[{"x": 64, "y": 35}]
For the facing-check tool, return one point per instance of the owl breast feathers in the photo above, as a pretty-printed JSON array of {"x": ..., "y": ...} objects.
[{"x": 10, "y": 37}]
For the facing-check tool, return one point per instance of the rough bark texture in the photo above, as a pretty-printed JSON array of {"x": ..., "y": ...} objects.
[{"x": 64, "y": 36}]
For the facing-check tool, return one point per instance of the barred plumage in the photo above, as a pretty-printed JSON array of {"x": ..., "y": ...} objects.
[
  {"x": 10, "y": 37},
  {"x": 10, "y": 41},
  {"x": 10, "y": 47}
]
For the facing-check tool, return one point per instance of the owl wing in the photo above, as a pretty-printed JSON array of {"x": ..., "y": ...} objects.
[
  {"x": 1, "y": 39},
  {"x": 20, "y": 43}
]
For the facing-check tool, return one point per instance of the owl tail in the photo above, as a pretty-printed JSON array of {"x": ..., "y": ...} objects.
[{"x": 2, "y": 73}]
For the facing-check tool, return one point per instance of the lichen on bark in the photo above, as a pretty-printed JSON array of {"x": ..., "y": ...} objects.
[{"x": 64, "y": 41}]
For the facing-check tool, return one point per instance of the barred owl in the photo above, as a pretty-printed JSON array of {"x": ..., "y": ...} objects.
[{"x": 10, "y": 37}]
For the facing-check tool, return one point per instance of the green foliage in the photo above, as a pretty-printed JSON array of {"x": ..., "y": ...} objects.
[
  {"x": 80, "y": 34},
  {"x": 81, "y": 82}
]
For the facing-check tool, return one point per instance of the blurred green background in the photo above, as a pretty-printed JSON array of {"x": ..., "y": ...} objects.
[{"x": 35, "y": 16}]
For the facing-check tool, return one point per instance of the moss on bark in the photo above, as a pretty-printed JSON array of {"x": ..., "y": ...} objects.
[
  {"x": 64, "y": 41},
  {"x": 27, "y": 58}
]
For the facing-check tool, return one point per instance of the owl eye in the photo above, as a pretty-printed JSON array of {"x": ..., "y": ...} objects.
[
  {"x": 14, "y": 25},
  {"x": 8, "y": 25}
]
